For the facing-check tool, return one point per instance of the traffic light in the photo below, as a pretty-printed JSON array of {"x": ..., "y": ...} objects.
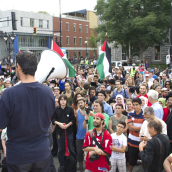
[
  {"x": 35, "y": 30},
  {"x": 13, "y": 18},
  {"x": 56, "y": 40}
]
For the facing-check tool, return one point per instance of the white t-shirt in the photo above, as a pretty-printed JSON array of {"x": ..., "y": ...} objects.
[{"x": 118, "y": 141}]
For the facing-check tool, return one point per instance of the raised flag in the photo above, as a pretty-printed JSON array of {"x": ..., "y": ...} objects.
[
  {"x": 103, "y": 66},
  {"x": 56, "y": 48}
]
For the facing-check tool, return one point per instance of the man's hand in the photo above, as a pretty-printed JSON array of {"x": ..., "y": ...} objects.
[
  {"x": 61, "y": 125},
  {"x": 98, "y": 151},
  {"x": 86, "y": 117},
  {"x": 91, "y": 153},
  {"x": 145, "y": 138},
  {"x": 91, "y": 113},
  {"x": 142, "y": 145}
]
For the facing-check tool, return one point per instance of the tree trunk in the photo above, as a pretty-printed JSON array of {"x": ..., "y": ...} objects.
[{"x": 141, "y": 51}]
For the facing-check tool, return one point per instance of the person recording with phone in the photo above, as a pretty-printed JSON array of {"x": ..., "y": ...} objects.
[
  {"x": 98, "y": 144},
  {"x": 98, "y": 108}
]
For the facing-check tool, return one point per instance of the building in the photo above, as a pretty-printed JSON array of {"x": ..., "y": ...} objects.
[
  {"x": 76, "y": 27},
  {"x": 154, "y": 55},
  {"x": 25, "y": 40}
]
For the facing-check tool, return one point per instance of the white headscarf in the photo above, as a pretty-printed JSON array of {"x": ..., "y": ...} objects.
[
  {"x": 146, "y": 102},
  {"x": 122, "y": 98}
]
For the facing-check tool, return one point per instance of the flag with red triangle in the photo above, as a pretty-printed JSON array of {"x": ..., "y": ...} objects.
[{"x": 56, "y": 48}]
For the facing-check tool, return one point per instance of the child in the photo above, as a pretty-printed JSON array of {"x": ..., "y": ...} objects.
[{"x": 118, "y": 149}]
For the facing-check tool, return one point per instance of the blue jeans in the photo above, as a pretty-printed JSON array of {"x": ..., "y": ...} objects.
[{"x": 61, "y": 147}]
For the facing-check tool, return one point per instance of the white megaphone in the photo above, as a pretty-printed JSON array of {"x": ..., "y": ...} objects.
[{"x": 51, "y": 65}]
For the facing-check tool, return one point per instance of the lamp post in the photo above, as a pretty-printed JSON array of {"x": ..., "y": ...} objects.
[
  {"x": 86, "y": 47},
  {"x": 6, "y": 37}
]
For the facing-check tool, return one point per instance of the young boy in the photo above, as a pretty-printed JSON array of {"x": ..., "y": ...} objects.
[{"x": 119, "y": 145}]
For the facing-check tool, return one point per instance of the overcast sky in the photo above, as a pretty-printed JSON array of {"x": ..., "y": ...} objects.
[{"x": 51, "y": 6}]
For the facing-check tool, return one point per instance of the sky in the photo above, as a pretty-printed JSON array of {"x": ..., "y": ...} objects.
[{"x": 51, "y": 6}]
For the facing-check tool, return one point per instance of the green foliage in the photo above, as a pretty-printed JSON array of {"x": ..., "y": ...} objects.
[
  {"x": 92, "y": 42},
  {"x": 43, "y": 12},
  {"x": 142, "y": 23}
]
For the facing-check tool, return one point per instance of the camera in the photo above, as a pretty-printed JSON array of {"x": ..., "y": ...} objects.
[
  {"x": 133, "y": 89},
  {"x": 94, "y": 157},
  {"x": 88, "y": 109}
]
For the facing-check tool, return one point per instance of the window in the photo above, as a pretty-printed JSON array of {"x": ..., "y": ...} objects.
[
  {"x": 67, "y": 40},
  {"x": 67, "y": 54},
  {"x": 31, "y": 22},
  {"x": 75, "y": 54},
  {"x": 41, "y": 23},
  {"x": 74, "y": 25},
  {"x": 80, "y": 28},
  {"x": 80, "y": 53},
  {"x": 123, "y": 55},
  {"x": 157, "y": 53},
  {"x": 21, "y": 21},
  {"x": 86, "y": 28},
  {"x": 47, "y": 24},
  {"x": 80, "y": 41},
  {"x": 67, "y": 26},
  {"x": 74, "y": 40},
  {"x": 87, "y": 54}
]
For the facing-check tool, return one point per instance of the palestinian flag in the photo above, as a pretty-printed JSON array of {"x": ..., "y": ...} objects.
[
  {"x": 103, "y": 66},
  {"x": 56, "y": 48}
]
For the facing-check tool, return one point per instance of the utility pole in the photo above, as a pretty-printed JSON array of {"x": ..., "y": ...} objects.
[
  {"x": 60, "y": 19},
  {"x": 171, "y": 39}
]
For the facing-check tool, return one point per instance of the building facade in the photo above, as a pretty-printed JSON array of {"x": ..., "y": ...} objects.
[
  {"x": 25, "y": 40},
  {"x": 76, "y": 27}
]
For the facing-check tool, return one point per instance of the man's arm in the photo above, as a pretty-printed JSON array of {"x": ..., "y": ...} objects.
[
  {"x": 113, "y": 95},
  {"x": 1, "y": 130},
  {"x": 4, "y": 147},
  {"x": 94, "y": 150},
  {"x": 167, "y": 164},
  {"x": 133, "y": 128},
  {"x": 121, "y": 150}
]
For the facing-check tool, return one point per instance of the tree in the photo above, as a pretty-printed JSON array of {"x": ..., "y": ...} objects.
[
  {"x": 43, "y": 12},
  {"x": 140, "y": 23},
  {"x": 92, "y": 41}
]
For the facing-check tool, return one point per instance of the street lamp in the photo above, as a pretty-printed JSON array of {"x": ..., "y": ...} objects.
[
  {"x": 6, "y": 37},
  {"x": 86, "y": 42}
]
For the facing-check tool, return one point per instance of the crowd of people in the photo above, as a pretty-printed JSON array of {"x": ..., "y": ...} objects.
[{"x": 118, "y": 122}]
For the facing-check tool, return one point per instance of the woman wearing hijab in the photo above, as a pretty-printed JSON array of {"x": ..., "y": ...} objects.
[
  {"x": 162, "y": 102},
  {"x": 119, "y": 100},
  {"x": 144, "y": 102}
]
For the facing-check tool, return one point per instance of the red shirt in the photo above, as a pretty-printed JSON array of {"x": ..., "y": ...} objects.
[
  {"x": 149, "y": 104},
  {"x": 166, "y": 113},
  {"x": 100, "y": 165}
]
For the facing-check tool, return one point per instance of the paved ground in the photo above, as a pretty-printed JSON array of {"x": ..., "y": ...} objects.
[
  {"x": 136, "y": 168},
  {"x": 56, "y": 162}
]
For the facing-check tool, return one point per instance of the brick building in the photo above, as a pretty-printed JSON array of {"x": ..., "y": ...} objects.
[{"x": 76, "y": 27}]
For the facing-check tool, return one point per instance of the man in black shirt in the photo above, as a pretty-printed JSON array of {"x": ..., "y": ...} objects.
[
  {"x": 154, "y": 152},
  {"x": 26, "y": 110},
  {"x": 63, "y": 117}
]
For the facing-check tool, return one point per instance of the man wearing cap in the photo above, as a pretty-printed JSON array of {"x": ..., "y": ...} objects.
[
  {"x": 94, "y": 138},
  {"x": 169, "y": 119},
  {"x": 153, "y": 75},
  {"x": 132, "y": 72},
  {"x": 164, "y": 93},
  {"x": 148, "y": 81},
  {"x": 164, "y": 79},
  {"x": 107, "y": 108}
]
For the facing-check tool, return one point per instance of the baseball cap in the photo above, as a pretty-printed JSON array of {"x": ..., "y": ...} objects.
[
  {"x": 133, "y": 64},
  {"x": 102, "y": 92},
  {"x": 147, "y": 73},
  {"x": 151, "y": 70},
  {"x": 164, "y": 89},
  {"x": 100, "y": 115},
  {"x": 119, "y": 65}
]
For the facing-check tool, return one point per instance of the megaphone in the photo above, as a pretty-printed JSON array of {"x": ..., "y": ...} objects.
[{"x": 51, "y": 66}]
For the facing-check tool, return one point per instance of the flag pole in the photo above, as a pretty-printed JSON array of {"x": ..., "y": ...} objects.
[{"x": 60, "y": 20}]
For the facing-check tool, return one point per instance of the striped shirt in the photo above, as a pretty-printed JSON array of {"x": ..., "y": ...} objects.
[{"x": 137, "y": 120}]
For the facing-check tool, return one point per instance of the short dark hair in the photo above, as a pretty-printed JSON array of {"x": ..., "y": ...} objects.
[
  {"x": 27, "y": 62},
  {"x": 119, "y": 105},
  {"x": 112, "y": 81},
  {"x": 156, "y": 124},
  {"x": 101, "y": 104},
  {"x": 118, "y": 81},
  {"x": 137, "y": 100},
  {"x": 122, "y": 123},
  {"x": 86, "y": 86},
  {"x": 92, "y": 88},
  {"x": 96, "y": 76},
  {"x": 63, "y": 96}
]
